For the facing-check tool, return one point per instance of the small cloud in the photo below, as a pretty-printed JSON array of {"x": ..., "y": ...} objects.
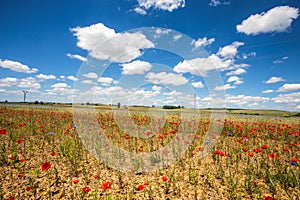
[
  {"x": 72, "y": 78},
  {"x": 45, "y": 77},
  {"x": 140, "y": 11},
  {"x": 78, "y": 57},
  {"x": 215, "y": 3},
  {"x": 166, "y": 78},
  {"x": 236, "y": 72},
  {"x": 202, "y": 42},
  {"x": 274, "y": 79},
  {"x": 91, "y": 75},
  {"x": 230, "y": 51},
  {"x": 106, "y": 81},
  {"x": 177, "y": 37},
  {"x": 136, "y": 67},
  {"x": 224, "y": 87},
  {"x": 267, "y": 91},
  {"x": 280, "y": 60},
  {"x": 197, "y": 84},
  {"x": 168, "y": 5}
]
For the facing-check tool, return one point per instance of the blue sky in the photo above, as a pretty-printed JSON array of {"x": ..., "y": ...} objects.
[{"x": 48, "y": 47}]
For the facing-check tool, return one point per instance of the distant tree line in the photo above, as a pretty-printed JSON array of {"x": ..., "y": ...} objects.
[{"x": 172, "y": 107}]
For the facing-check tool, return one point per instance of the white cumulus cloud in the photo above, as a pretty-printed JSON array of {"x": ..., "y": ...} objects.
[
  {"x": 278, "y": 19},
  {"x": 224, "y": 87},
  {"x": 236, "y": 72},
  {"x": 105, "y": 44},
  {"x": 202, "y": 42},
  {"x": 17, "y": 66},
  {"x": 231, "y": 50},
  {"x": 198, "y": 84},
  {"x": 289, "y": 87},
  {"x": 216, "y": 3},
  {"x": 166, "y": 78},
  {"x": 136, "y": 67},
  {"x": 92, "y": 75},
  {"x": 45, "y": 77}
]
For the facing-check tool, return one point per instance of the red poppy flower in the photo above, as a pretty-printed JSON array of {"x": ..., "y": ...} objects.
[
  {"x": 75, "y": 181},
  {"x": 251, "y": 154},
  {"x": 146, "y": 183},
  {"x": 245, "y": 149},
  {"x": 3, "y": 131},
  {"x": 86, "y": 189},
  {"x": 293, "y": 160},
  {"x": 22, "y": 160},
  {"x": 264, "y": 146},
  {"x": 140, "y": 187},
  {"x": 106, "y": 185},
  {"x": 164, "y": 178},
  {"x": 96, "y": 176},
  {"x": 20, "y": 175},
  {"x": 46, "y": 166},
  {"x": 19, "y": 141},
  {"x": 53, "y": 153},
  {"x": 286, "y": 149},
  {"x": 268, "y": 198},
  {"x": 28, "y": 188},
  {"x": 200, "y": 149}
]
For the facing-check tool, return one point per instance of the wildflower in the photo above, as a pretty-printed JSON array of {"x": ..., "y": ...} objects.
[
  {"x": 106, "y": 185},
  {"x": 86, "y": 189},
  {"x": 251, "y": 154},
  {"x": 140, "y": 187},
  {"x": 200, "y": 149},
  {"x": 75, "y": 127},
  {"x": 272, "y": 155},
  {"x": 3, "y": 131},
  {"x": 28, "y": 188},
  {"x": 264, "y": 146},
  {"x": 293, "y": 163},
  {"x": 268, "y": 198},
  {"x": 146, "y": 183},
  {"x": 96, "y": 176},
  {"x": 127, "y": 136},
  {"x": 20, "y": 175},
  {"x": 51, "y": 133},
  {"x": 19, "y": 141},
  {"x": 22, "y": 160},
  {"x": 20, "y": 124},
  {"x": 75, "y": 181},
  {"x": 245, "y": 149},
  {"x": 53, "y": 153},
  {"x": 46, "y": 166},
  {"x": 164, "y": 178},
  {"x": 230, "y": 134}
]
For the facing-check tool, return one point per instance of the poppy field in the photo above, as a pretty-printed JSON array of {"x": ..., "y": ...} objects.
[{"x": 43, "y": 156}]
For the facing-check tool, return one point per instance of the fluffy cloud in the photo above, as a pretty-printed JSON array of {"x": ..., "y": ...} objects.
[
  {"x": 72, "y": 78},
  {"x": 29, "y": 83},
  {"x": 78, "y": 57},
  {"x": 291, "y": 98},
  {"x": 236, "y": 72},
  {"x": 278, "y": 19},
  {"x": 105, "y": 44},
  {"x": 8, "y": 82},
  {"x": 106, "y": 81},
  {"x": 92, "y": 75},
  {"x": 197, "y": 84},
  {"x": 166, "y": 78},
  {"x": 140, "y": 11},
  {"x": 45, "y": 77},
  {"x": 230, "y": 51},
  {"x": 216, "y": 3},
  {"x": 168, "y": 5},
  {"x": 274, "y": 79},
  {"x": 237, "y": 80},
  {"x": 202, "y": 42},
  {"x": 136, "y": 67},
  {"x": 242, "y": 100},
  {"x": 200, "y": 66},
  {"x": 224, "y": 87},
  {"x": 61, "y": 88},
  {"x": 16, "y": 66},
  {"x": 289, "y": 87}
]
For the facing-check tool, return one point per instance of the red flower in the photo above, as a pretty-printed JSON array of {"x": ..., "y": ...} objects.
[
  {"x": 264, "y": 146},
  {"x": 53, "y": 153},
  {"x": 146, "y": 183},
  {"x": 19, "y": 141},
  {"x": 106, "y": 185},
  {"x": 20, "y": 175},
  {"x": 272, "y": 155},
  {"x": 28, "y": 188},
  {"x": 245, "y": 149},
  {"x": 3, "y": 131},
  {"x": 46, "y": 166},
  {"x": 200, "y": 149},
  {"x": 140, "y": 187},
  {"x": 293, "y": 160},
  {"x": 268, "y": 198},
  {"x": 22, "y": 160},
  {"x": 86, "y": 189},
  {"x": 286, "y": 149},
  {"x": 20, "y": 124},
  {"x": 251, "y": 154},
  {"x": 127, "y": 136},
  {"x": 75, "y": 181},
  {"x": 164, "y": 178},
  {"x": 96, "y": 176}
]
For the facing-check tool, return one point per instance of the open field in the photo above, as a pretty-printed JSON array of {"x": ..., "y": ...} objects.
[{"x": 43, "y": 155}]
